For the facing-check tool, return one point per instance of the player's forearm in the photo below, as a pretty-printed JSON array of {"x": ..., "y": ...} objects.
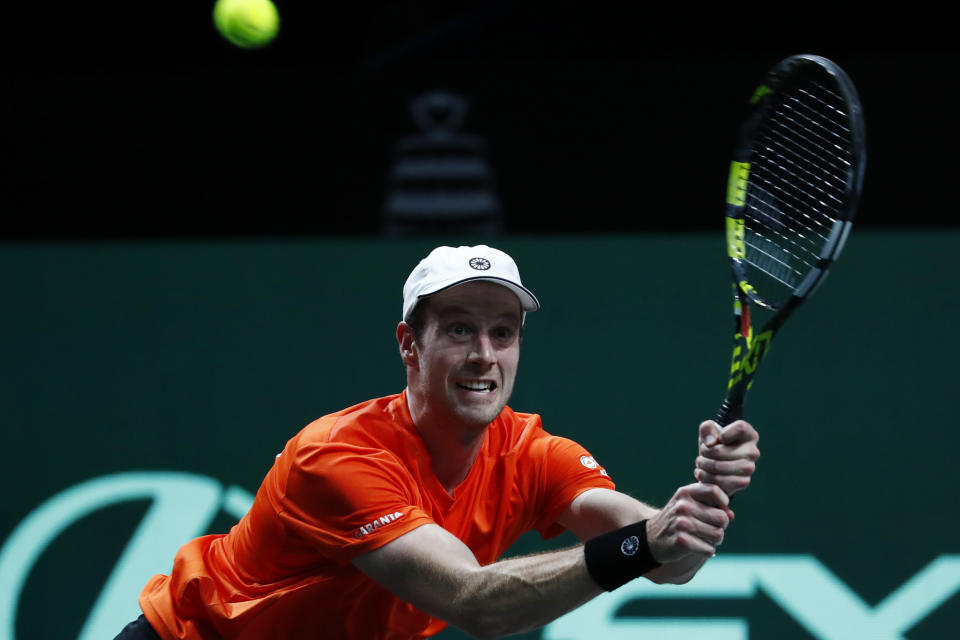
[
  {"x": 538, "y": 589},
  {"x": 524, "y": 593},
  {"x": 437, "y": 573}
]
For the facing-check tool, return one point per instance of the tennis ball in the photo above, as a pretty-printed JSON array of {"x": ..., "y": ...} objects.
[{"x": 246, "y": 23}]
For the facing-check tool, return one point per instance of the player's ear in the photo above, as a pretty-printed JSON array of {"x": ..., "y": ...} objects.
[{"x": 407, "y": 345}]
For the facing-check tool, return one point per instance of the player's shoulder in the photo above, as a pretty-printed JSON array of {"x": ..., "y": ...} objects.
[
  {"x": 520, "y": 420},
  {"x": 518, "y": 430},
  {"x": 524, "y": 432},
  {"x": 376, "y": 425},
  {"x": 363, "y": 436}
]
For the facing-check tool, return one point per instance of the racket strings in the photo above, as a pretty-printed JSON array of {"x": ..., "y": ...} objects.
[
  {"x": 798, "y": 181},
  {"x": 827, "y": 140},
  {"x": 783, "y": 272},
  {"x": 811, "y": 174},
  {"x": 787, "y": 256},
  {"x": 826, "y": 187},
  {"x": 781, "y": 149},
  {"x": 805, "y": 243}
]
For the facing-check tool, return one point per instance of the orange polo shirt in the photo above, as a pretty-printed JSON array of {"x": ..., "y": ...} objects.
[{"x": 349, "y": 483}]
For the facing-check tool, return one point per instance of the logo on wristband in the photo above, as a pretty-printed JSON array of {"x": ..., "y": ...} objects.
[{"x": 630, "y": 546}]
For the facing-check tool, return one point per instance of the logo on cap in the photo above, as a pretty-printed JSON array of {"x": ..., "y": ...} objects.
[{"x": 480, "y": 264}]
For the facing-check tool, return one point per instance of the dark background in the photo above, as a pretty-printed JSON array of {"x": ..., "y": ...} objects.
[
  {"x": 139, "y": 121},
  {"x": 130, "y": 120}
]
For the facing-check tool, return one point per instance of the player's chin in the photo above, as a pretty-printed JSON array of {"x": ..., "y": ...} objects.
[
  {"x": 480, "y": 411},
  {"x": 484, "y": 415}
]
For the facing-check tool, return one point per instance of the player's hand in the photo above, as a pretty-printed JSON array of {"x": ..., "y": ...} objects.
[
  {"x": 692, "y": 522},
  {"x": 728, "y": 455}
]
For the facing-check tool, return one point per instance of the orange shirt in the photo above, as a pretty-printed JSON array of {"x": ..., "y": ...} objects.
[{"x": 346, "y": 484}]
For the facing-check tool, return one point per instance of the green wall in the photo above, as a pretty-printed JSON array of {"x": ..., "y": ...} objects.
[{"x": 146, "y": 387}]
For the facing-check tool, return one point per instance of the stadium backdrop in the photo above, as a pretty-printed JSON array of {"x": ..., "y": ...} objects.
[{"x": 147, "y": 386}]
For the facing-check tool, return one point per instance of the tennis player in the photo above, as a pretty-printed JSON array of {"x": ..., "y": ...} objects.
[{"x": 386, "y": 520}]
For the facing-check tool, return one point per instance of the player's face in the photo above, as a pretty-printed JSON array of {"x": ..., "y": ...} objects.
[{"x": 470, "y": 350}]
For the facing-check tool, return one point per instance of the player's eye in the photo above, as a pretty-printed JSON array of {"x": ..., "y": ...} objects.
[{"x": 458, "y": 330}]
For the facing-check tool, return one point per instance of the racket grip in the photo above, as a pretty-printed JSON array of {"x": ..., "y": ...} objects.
[{"x": 729, "y": 412}]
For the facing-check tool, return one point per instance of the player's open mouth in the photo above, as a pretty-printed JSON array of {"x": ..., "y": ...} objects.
[{"x": 484, "y": 385}]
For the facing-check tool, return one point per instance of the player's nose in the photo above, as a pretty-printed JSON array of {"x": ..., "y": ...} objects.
[{"x": 482, "y": 351}]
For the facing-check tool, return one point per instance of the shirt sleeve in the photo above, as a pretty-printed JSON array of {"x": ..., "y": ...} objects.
[
  {"x": 567, "y": 470},
  {"x": 348, "y": 500}
]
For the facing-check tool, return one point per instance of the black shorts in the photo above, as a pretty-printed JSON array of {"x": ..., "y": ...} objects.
[{"x": 139, "y": 629}]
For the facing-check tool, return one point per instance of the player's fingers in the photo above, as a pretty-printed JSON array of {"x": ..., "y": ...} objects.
[
  {"x": 728, "y": 484},
  {"x": 675, "y": 532},
  {"x": 709, "y": 433},
  {"x": 706, "y": 494},
  {"x": 737, "y": 432},
  {"x": 694, "y": 544},
  {"x": 744, "y": 451},
  {"x": 693, "y": 509},
  {"x": 736, "y": 467},
  {"x": 705, "y": 531}
]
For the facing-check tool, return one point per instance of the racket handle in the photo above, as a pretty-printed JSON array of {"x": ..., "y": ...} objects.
[{"x": 729, "y": 412}]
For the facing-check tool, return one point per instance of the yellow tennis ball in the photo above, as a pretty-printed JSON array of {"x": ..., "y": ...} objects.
[{"x": 246, "y": 23}]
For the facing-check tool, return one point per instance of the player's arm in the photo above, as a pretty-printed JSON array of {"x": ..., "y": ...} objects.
[
  {"x": 597, "y": 511},
  {"x": 434, "y": 571},
  {"x": 727, "y": 458}
]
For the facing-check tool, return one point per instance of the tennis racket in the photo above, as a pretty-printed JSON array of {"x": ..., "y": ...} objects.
[{"x": 794, "y": 186}]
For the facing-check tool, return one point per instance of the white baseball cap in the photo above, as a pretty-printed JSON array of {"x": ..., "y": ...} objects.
[{"x": 446, "y": 267}]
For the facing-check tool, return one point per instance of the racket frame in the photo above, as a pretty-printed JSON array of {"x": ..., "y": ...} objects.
[{"x": 749, "y": 349}]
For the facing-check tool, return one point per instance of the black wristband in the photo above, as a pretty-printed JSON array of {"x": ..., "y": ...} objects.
[{"x": 616, "y": 558}]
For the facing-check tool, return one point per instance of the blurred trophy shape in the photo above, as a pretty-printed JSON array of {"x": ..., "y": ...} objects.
[{"x": 440, "y": 181}]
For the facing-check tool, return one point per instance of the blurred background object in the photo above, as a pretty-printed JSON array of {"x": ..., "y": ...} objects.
[
  {"x": 125, "y": 122},
  {"x": 440, "y": 180}
]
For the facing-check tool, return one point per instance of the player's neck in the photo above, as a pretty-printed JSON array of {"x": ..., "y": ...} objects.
[
  {"x": 453, "y": 447},
  {"x": 451, "y": 461}
]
